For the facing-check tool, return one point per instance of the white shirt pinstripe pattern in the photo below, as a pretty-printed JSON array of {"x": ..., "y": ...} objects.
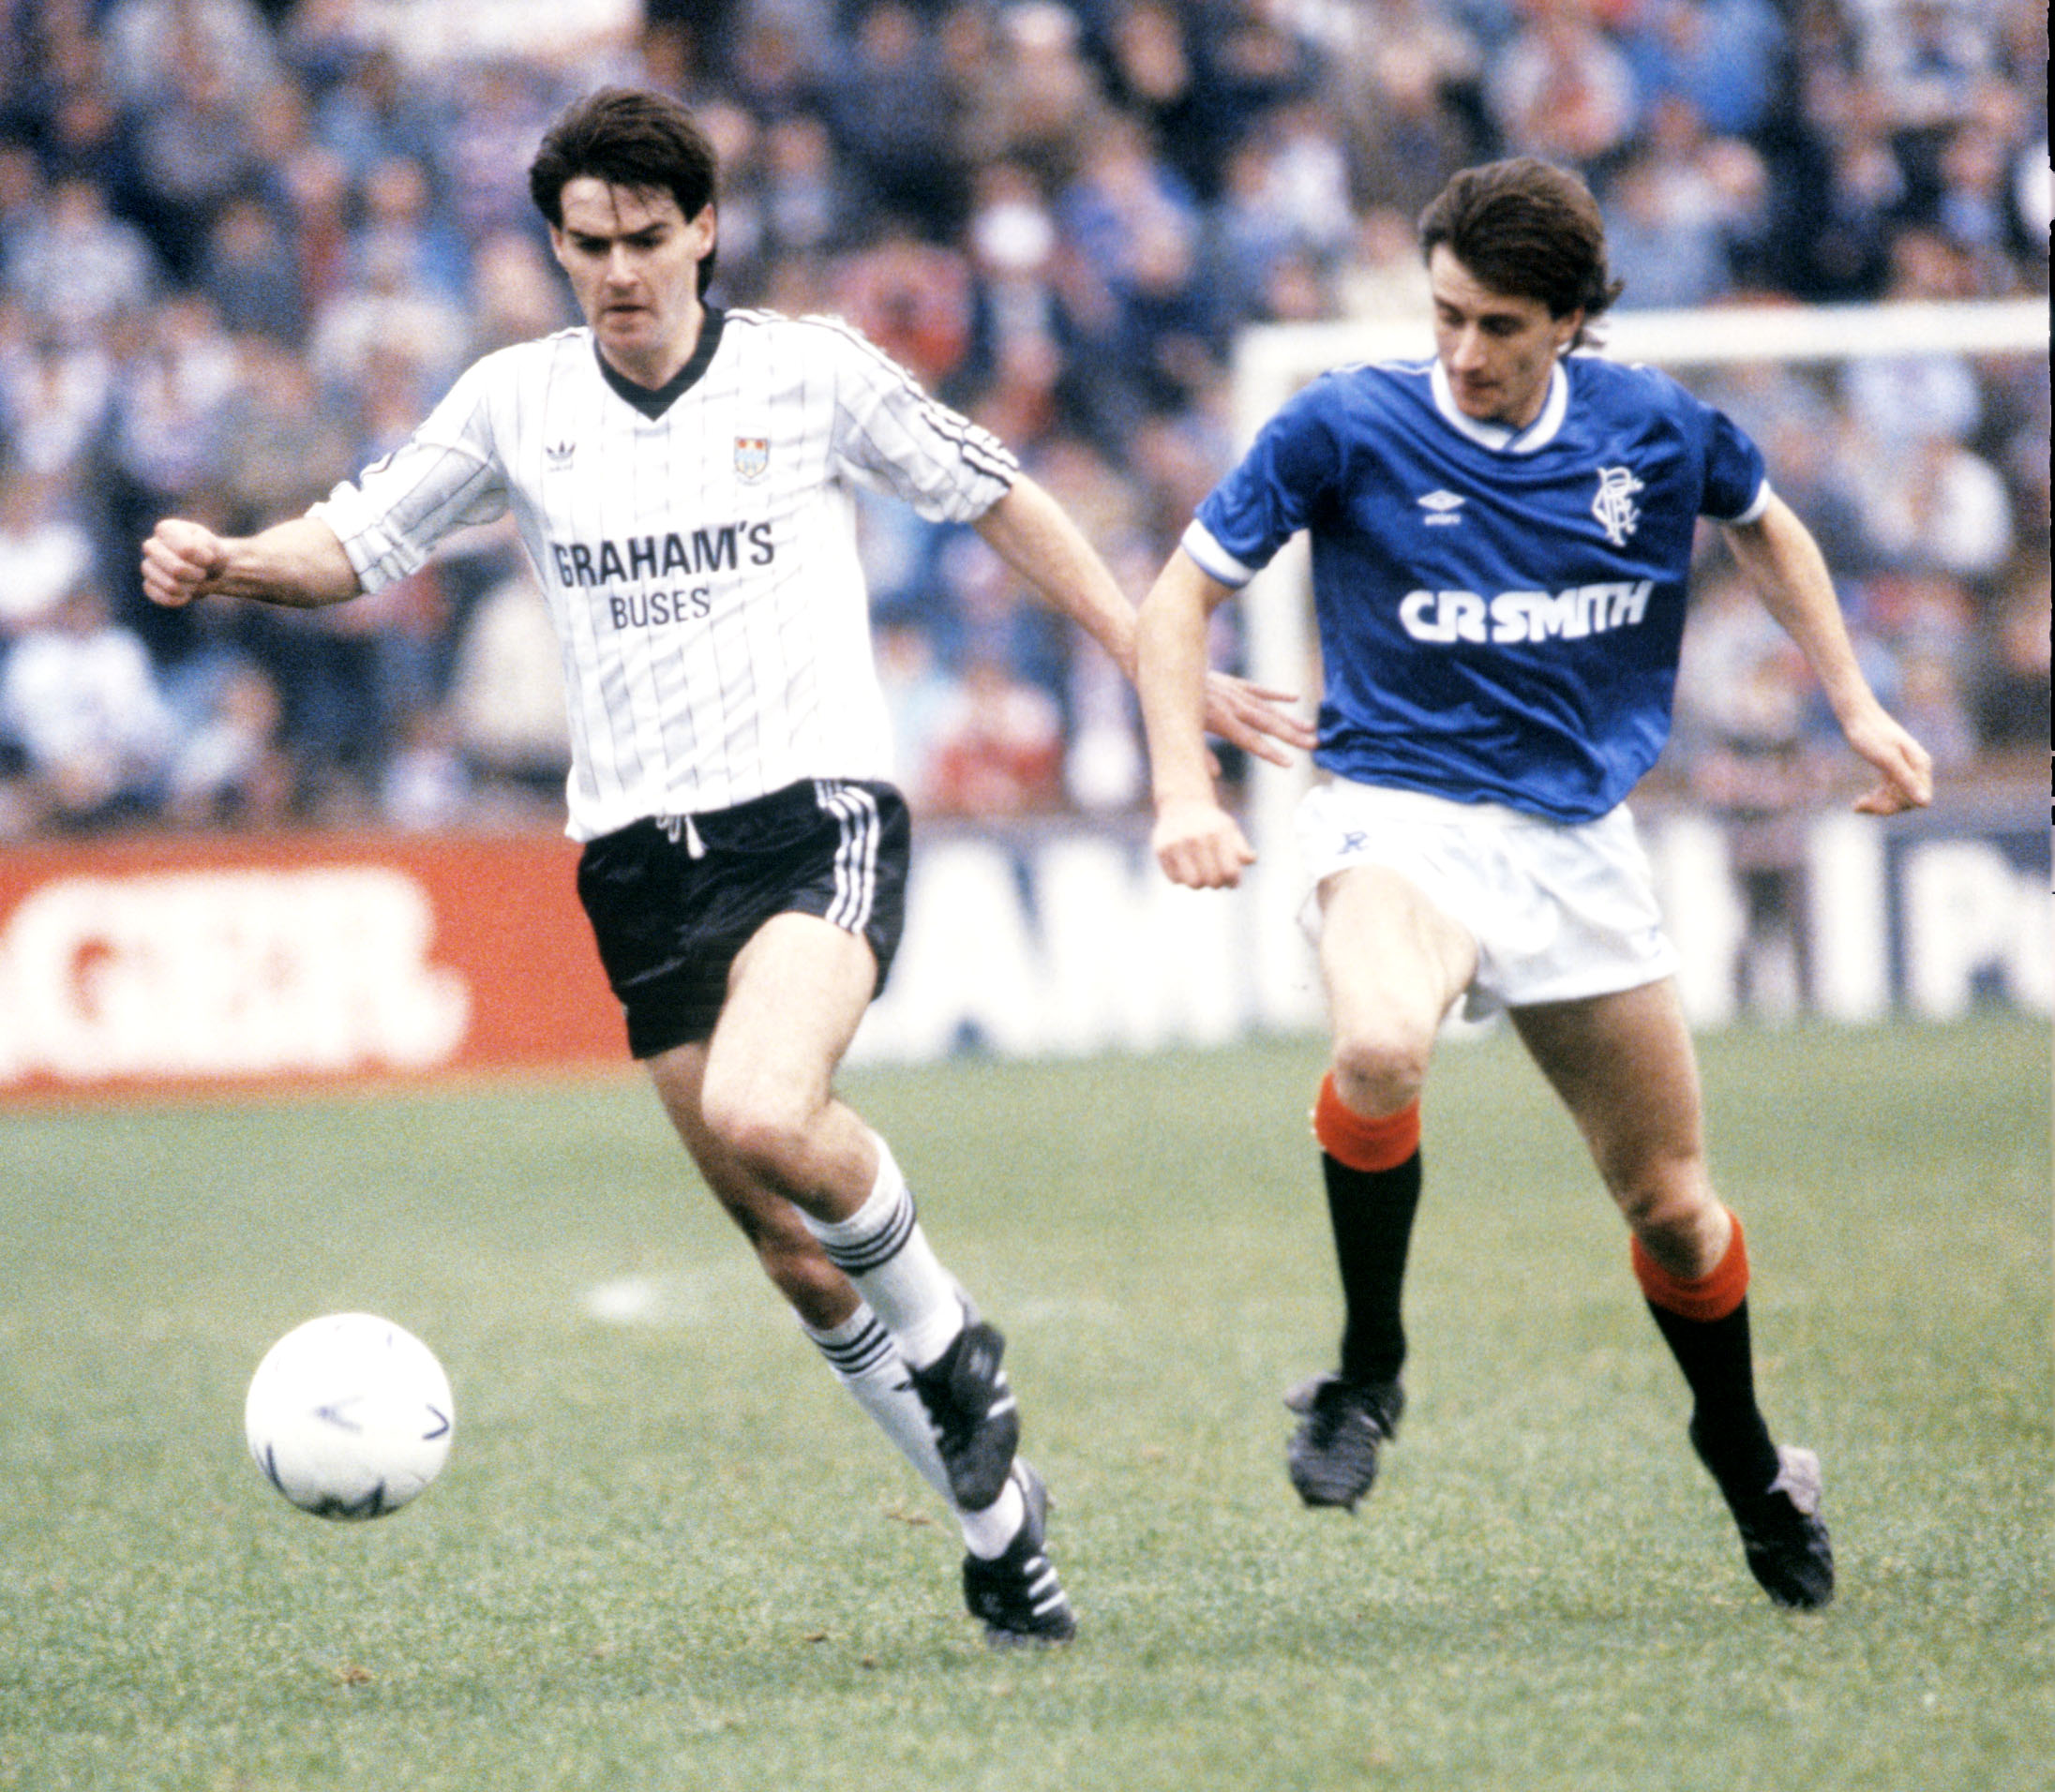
[{"x": 701, "y": 565}]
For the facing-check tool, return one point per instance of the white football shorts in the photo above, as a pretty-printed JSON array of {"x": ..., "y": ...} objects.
[{"x": 1558, "y": 910}]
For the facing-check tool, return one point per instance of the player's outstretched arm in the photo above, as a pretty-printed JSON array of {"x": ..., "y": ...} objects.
[
  {"x": 1197, "y": 843},
  {"x": 1031, "y": 532},
  {"x": 1779, "y": 554},
  {"x": 298, "y": 562}
]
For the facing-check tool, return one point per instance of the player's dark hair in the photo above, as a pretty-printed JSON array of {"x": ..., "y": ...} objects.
[
  {"x": 1529, "y": 231},
  {"x": 627, "y": 137}
]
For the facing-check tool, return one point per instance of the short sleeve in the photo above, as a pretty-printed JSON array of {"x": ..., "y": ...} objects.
[
  {"x": 1270, "y": 496},
  {"x": 894, "y": 437},
  {"x": 445, "y": 476},
  {"x": 1737, "y": 488}
]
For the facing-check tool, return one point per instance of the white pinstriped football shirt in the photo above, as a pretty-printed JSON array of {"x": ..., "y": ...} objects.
[{"x": 696, "y": 546}]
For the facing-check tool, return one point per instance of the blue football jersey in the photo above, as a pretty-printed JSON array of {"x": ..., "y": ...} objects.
[{"x": 1500, "y": 611}]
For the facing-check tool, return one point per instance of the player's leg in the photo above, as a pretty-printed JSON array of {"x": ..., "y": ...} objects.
[
  {"x": 1624, "y": 1066},
  {"x": 742, "y": 994},
  {"x": 1392, "y": 963},
  {"x": 791, "y": 1256},
  {"x": 1004, "y": 1539},
  {"x": 795, "y": 995},
  {"x": 858, "y": 1349}
]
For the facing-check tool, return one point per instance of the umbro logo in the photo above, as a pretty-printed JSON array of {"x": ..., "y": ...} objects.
[
  {"x": 1440, "y": 508},
  {"x": 559, "y": 454}
]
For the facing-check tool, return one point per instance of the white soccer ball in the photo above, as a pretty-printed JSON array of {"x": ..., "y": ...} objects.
[{"x": 348, "y": 1416}]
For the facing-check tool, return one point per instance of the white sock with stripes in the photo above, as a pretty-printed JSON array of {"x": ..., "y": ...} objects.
[
  {"x": 864, "y": 1360},
  {"x": 882, "y": 1250}
]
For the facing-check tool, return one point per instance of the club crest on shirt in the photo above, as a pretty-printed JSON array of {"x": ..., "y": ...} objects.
[
  {"x": 1614, "y": 506},
  {"x": 752, "y": 457}
]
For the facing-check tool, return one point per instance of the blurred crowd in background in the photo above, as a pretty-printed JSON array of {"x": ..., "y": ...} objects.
[{"x": 245, "y": 246}]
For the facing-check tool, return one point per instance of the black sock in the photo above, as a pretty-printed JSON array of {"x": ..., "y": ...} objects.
[
  {"x": 1719, "y": 1367},
  {"x": 1373, "y": 1215}
]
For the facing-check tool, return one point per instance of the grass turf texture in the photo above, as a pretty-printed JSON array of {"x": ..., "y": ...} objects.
[{"x": 669, "y": 1554}]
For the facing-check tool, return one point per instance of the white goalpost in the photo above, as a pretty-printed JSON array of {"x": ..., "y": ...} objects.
[{"x": 1272, "y": 362}]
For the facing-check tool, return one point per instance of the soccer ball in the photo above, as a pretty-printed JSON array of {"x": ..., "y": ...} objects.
[{"x": 348, "y": 1416}]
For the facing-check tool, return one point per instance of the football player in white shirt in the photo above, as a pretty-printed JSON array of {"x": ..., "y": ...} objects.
[{"x": 680, "y": 477}]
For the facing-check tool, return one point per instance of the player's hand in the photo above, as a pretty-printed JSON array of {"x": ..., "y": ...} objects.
[
  {"x": 1199, "y": 845},
  {"x": 178, "y": 562},
  {"x": 1905, "y": 769},
  {"x": 1250, "y": 716}
]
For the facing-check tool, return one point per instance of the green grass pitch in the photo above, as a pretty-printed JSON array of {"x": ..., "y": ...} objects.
[{"x": 666, "y": 1552}]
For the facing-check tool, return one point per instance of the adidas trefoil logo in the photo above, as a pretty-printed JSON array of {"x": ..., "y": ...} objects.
[
  {"x": 559, "y": 454},
  {"x": 1440, "y": 508}
]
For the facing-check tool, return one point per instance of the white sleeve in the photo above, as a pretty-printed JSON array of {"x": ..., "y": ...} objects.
[
  {"x": 445, "y": 476},
  {"x": 892, "y": 437}
]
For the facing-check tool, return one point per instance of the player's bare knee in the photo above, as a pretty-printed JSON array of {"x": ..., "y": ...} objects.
[
  {"x": 772, "y": 1144},
  {"x": 1672, "y": 1216},
  {"x": 767, "y": 1132},
  {"x": 1379, "y": 1074}
]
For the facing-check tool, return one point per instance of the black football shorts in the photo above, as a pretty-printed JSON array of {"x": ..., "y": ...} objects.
[{"x": 673, "y": 900}]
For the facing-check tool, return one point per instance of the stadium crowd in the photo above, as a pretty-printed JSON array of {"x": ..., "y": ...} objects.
[{"x": 245, "y": 245}]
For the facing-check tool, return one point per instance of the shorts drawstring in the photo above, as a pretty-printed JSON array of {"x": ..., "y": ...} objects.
[{"x": 679, "y": 827}]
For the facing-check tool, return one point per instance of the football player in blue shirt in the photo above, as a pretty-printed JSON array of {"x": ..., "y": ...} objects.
[{"x": 1500, "y": 539}]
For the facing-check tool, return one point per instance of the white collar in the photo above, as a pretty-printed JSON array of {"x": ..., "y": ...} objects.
[{"x": 1497, "y": 436}]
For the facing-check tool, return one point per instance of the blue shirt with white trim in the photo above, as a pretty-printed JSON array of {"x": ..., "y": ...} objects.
[{"x": 1500, "y": 611}]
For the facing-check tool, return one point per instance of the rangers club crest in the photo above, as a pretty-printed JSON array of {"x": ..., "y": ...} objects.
[
  {"x": 1614, "y": 505},
  {"x": 753, "y": 457}
]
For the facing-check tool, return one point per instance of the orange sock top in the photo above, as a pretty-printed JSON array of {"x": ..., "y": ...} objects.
[
  {"x": 1364, "y": 1145},
  {"x": 1710, "y": 1296}
]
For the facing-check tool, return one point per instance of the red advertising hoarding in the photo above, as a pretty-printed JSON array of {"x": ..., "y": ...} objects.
[{"x": 158, "y": 965}]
